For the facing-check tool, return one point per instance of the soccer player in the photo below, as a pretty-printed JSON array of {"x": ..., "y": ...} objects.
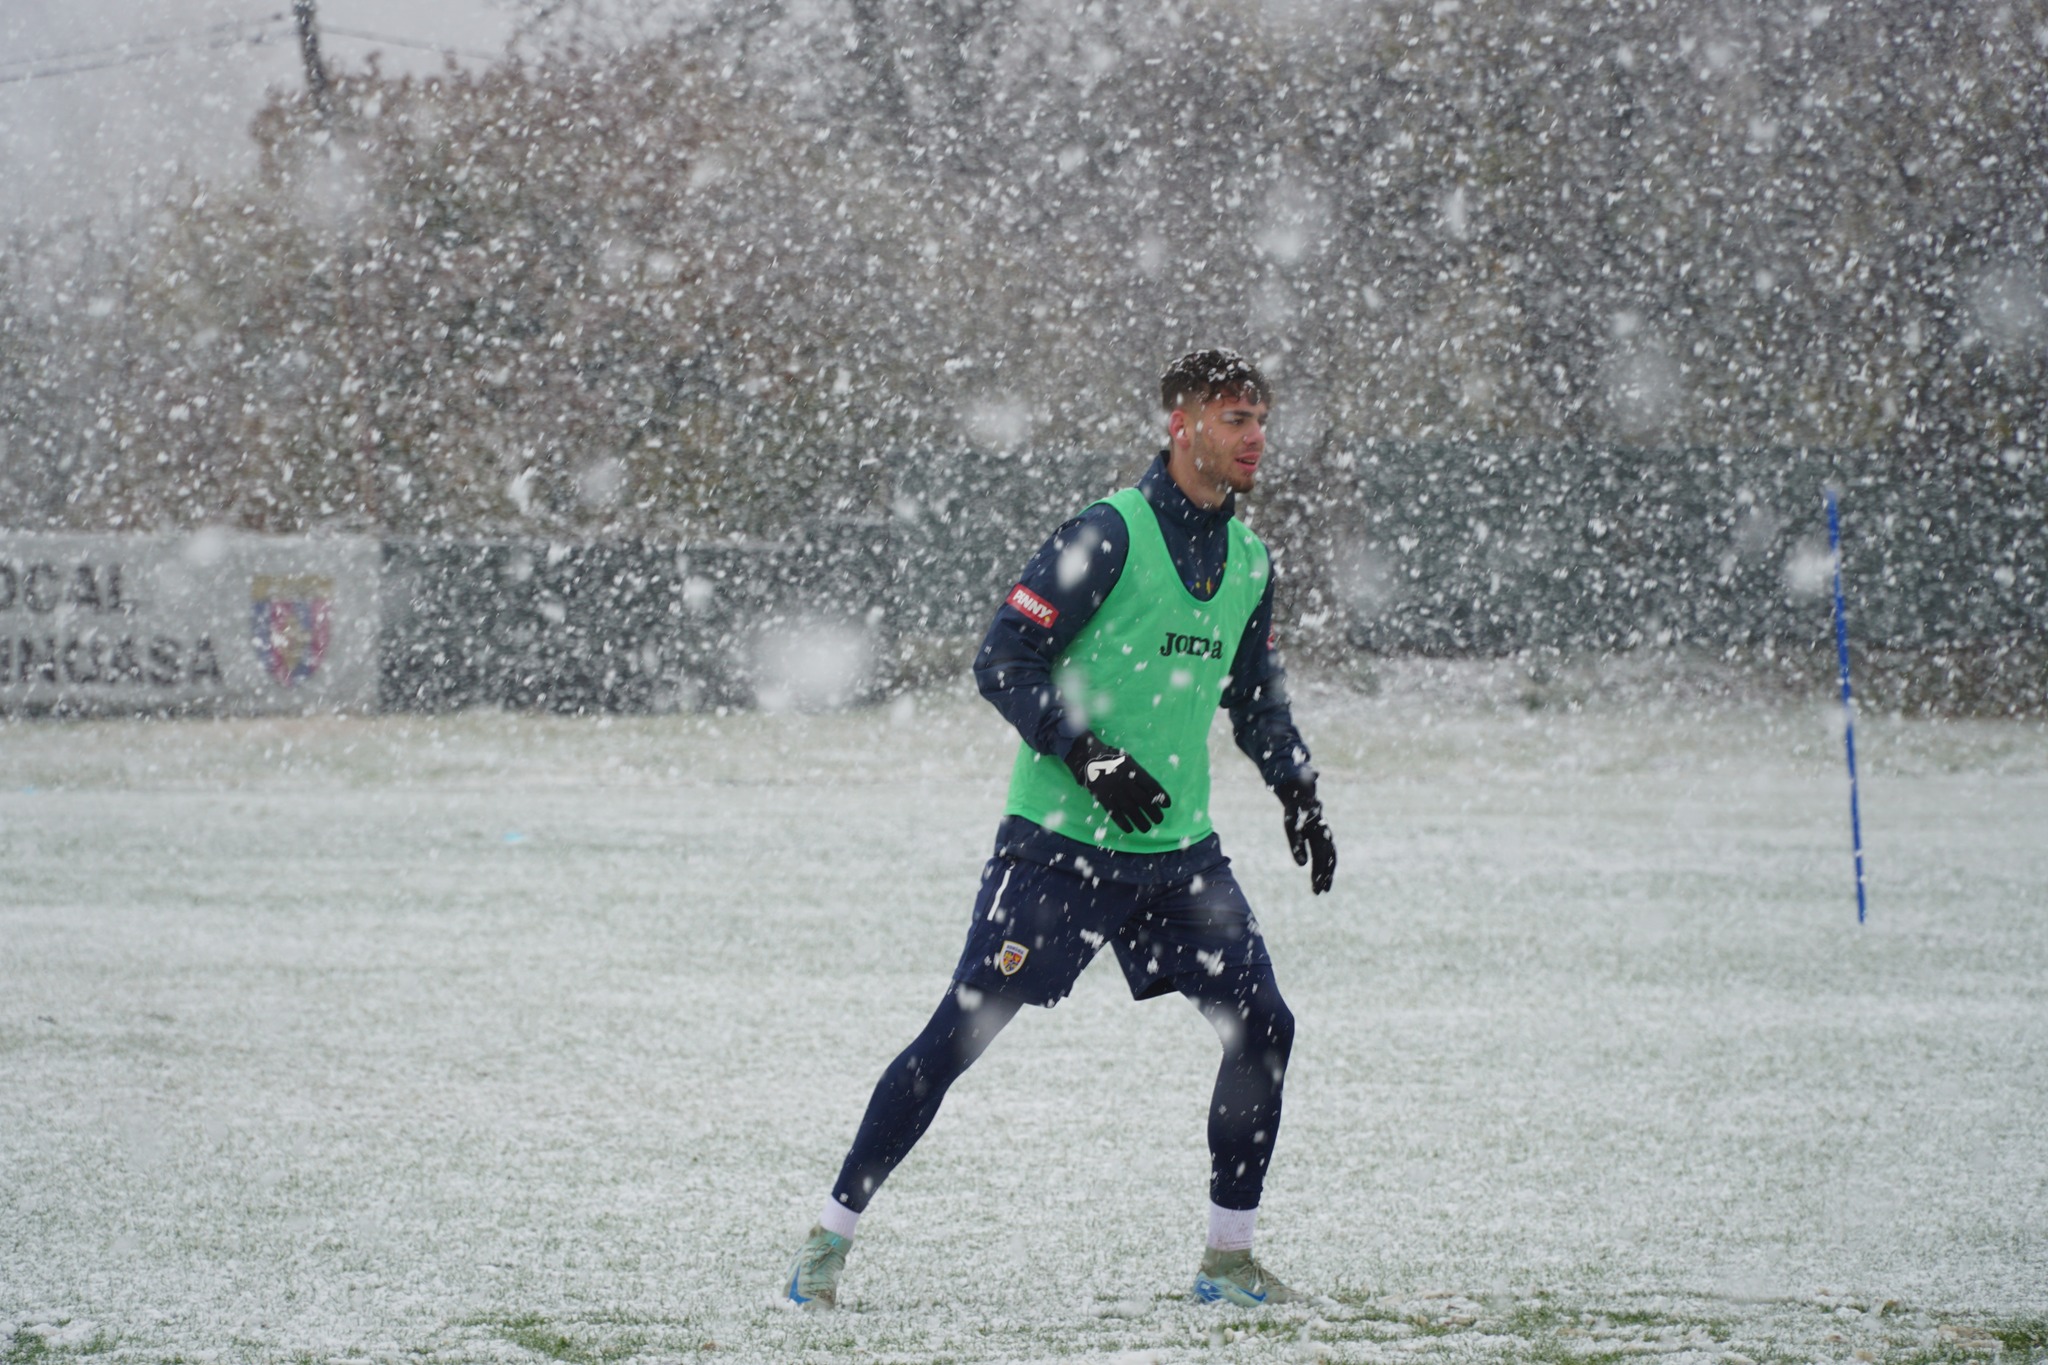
[{"x": 1128, "y": 628}]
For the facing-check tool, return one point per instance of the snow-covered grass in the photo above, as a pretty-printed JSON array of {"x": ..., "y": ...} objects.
[{"x": 507, "y": 1037}]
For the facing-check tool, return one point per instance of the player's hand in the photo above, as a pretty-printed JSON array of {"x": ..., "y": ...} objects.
[
  {"x": 1308, "y": 837},
  {"x": 1132, "y": 796}
]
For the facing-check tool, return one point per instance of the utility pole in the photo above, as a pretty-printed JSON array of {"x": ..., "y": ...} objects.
[
  {"x": 355, "y": 371},
  {"x": 309, "y": 53}
]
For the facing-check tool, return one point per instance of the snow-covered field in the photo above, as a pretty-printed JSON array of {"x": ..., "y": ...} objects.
[{"x": 506, "y": 1037}]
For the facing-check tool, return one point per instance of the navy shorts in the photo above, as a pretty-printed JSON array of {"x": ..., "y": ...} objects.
[{"x": 1035, "y": 928}]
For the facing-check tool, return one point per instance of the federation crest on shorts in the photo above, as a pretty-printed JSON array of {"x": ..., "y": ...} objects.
[
  {"x": 289, "y": 620},
  {"x": 1011, "y": 957}
]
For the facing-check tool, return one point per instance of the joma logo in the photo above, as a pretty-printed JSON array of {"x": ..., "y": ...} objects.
[{"x": 1193, "y": 645}]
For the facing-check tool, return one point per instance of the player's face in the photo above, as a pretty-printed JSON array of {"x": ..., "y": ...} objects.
[{"x": 1219, "y": 445}]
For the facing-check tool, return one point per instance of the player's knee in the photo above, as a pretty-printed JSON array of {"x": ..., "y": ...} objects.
[{"x": 1270, "y": 1029}]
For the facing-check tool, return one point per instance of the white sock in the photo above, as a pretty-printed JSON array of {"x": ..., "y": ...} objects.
[
  {"x": 1231, "y": 1229},
  {"x": 838, "y": 1218}
]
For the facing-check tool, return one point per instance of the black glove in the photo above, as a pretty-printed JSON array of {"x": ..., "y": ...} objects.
[
  {"x": 1133, "y": 798},
  {"x": 1307, "y": 836}
]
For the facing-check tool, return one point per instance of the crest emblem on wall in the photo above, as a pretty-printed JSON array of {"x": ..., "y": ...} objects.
[
  {"x": 1011, "y": 957},
  {"x": 290, "y": 624}
]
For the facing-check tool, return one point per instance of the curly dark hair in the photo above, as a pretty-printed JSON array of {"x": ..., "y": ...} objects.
[{"x": 1212, "y": 374}]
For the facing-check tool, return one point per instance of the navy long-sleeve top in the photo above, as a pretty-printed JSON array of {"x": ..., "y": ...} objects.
[{"x": 1074, "y": 571}]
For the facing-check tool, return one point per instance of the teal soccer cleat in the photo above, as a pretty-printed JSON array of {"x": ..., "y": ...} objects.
[
  {"x": 1234, "y": 1277},
  {"x": 814, "y": 1279}
]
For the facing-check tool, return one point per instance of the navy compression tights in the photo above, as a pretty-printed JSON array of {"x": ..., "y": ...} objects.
[{"x": 1244, "y": 1006}]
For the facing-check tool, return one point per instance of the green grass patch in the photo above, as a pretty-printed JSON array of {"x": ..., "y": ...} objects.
[
  {"x": 1531, "y": 1319},
  {"x": 533, "y": 1332},
  {"x": 1553, "y": 1350},
  {"x": 24, "y": 1347},
  {"x": 1364, "y": 1303},
  {"x": 1633, "y": 1317},
  {"x": 538, "y": 1335},
  {"x": 2024, "y": 1335}
]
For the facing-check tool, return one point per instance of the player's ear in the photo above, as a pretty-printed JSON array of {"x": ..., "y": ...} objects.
[{"x": 1177, "y": 425}]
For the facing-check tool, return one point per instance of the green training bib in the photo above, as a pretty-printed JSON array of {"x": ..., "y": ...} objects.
[{"x": 1146, "y": 674}]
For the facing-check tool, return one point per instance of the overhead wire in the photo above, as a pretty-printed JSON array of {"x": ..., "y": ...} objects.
[
  {"x": 125, "y": 45},
  {"x": 65, "y": 63},
  {"x": 365, "y": 36},
  {"x": 43, "y": 66},
  {"x": 156, "y": 48}
]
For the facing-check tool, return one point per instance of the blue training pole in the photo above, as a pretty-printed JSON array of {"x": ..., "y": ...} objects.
[{"x": 1848, "y": 706}]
